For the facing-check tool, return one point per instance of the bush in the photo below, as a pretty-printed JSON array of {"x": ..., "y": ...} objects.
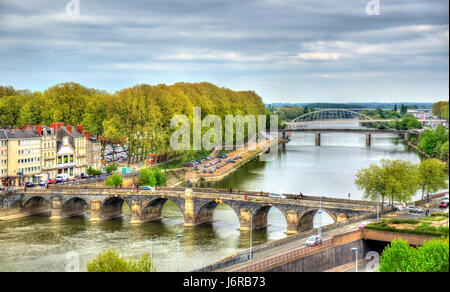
[
  {"x": 423, "y": 229},
  {"x": 111, "y": 168},
  {"x": 111, "y": 261},
  {"x": 431, "y": 257},
  {"x": 114, "y": 180}
]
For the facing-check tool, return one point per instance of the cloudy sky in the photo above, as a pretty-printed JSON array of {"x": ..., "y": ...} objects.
[{"x": 285, "y": 50}]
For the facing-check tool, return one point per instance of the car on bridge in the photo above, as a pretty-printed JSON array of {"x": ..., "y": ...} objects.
[
  {"x": 279, "y": 196},
  {"x": 313, "y": 240},
  {"x": 147, "y": 188},
  {"x": 443, "y": 204}
]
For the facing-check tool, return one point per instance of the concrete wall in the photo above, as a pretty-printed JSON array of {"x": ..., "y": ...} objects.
[{"x": 324, "y": 260}]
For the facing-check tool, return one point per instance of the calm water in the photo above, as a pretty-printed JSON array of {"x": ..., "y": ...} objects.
[{"x": 38, "y": 244}]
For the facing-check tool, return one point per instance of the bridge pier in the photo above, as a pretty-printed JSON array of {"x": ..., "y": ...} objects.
[
  {"x": 406, "y": 138},
  {"x": 56, "y": 209},
  {"x": 368, "y": 140},
  {"x": 317, "y": 139},
  {"x": 189, "y": 210},
  {"x": 292, "y": 222},
  {"x": 259, "y": 220},
  {"x": 96, "y": 210}
]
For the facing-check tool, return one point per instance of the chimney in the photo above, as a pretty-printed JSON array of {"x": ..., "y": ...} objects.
[
  {"x": 39, "y": 129},
  {"x": 88, "y": 135},
  {"x": 80, "y": 128},
  {"x": 69, "y": 128}
]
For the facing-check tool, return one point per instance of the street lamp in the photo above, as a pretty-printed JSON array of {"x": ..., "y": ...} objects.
[
  {"x": 179, "y": 239},
  {"x": 251, "y": 235},
  {"x": 320, "y": 218},
  {"x": 151, "y": 251},
  {"x": 355, "y": 249}
]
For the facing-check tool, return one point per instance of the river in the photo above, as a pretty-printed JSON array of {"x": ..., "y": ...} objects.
[{"x": 40, "y": 244}]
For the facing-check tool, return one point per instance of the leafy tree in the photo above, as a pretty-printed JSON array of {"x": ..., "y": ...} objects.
[
  {"x": 401, "y": 257},
  {"x": 147, "y": 177},
  {"x": 111, "y": 168},
  {"x": 444, "y": 152},
  {"x": 160, "y": 177},
  {"x": 431, "y": 141},
  {"x": 391, "y": 180},
  {"x": 111, "y": 261},
  {"x": 114, "y": 180},
  {"x": 440, "y": 109},
  {"x": 432, "y": 176}
]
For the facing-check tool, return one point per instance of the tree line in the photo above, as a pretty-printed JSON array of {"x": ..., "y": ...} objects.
[
  {"x": 435, "y": 143},
  {"x": 440, "y": 109},
  {"x": 138, "y": 116},
  {"x": 399, "y": 181}
]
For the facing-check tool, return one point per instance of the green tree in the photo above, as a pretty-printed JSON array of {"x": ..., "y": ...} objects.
[
  {"x": 147, "y": 177},
  {"x": 160, "y": 177},
  {"x": 391, "y": 180},
  {"x": 114, "y": 180},
  {"x": 111, "y": 168},
  {"x": 112, "y": 261},
  {"x": 432, "y": 176},
  {"x": 444, "y": 152},
  {"x": 401, "y": 257}
]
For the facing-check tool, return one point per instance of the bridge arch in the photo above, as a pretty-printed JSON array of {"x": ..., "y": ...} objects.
[
  {"x": 111, "y": 206},
  {"x": 261, "y": 215},
  {"x": 35, "y": 205},
  {"x": 152, "y": 209},
  {"x": 323, "y": 112},
  {"x": 306, "y": 219},
  {"x": 204, "y": 213},
  {"x": 31, "y": 201}
]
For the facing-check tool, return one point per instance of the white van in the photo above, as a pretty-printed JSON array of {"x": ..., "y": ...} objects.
[
  {"x": 280, "y": 196},
  {"x": 62, "y": 177}
]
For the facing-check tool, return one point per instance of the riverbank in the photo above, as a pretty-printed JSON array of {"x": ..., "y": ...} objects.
[{"x": 247, "y": 156}]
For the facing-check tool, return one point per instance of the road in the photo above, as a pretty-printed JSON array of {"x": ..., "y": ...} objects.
[{"x": 289, "y": 246}]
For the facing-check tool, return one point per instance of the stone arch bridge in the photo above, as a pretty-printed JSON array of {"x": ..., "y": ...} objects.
[{"x": 197, "y": 205}]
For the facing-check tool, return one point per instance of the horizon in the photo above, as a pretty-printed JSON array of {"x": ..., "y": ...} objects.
[{"x": 309, "y": 51}]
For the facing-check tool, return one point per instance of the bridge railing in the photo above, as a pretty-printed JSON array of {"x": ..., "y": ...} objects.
[
  {"x": 255, "y": 194},
  {"x": 283, "y": 257}
]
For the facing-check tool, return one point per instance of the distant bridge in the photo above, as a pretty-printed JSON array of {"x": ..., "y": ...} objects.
[
  {"x": 337, "y": 116},
  {"x": 197, "y": 205},
  {"x": 319, "y": 121}
]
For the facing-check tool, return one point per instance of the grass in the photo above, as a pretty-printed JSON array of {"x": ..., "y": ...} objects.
[
  {"x": 434, "y": 218},
  {"x": 424, "y": 228}
]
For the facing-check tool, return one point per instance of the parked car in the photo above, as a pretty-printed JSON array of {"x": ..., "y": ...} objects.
[
  {"x": 62, "y": 177},
  {"x": 280, "y": 196},
  {"x": 197, "y": 167},
  {"x": 313, "y": 240},
  {"x": 205, "y": 171},
  {"x": 84, "y": 176},
  {"x": 147, "y": 188},
  {"x": 443, "y": 204},
  {"x": 30, "y": 184},
  {"x": 212, "y": 170},
  {"x": 188, "y": 165},
  {"x": 414, "y": 209},
  {"x": 223, "y": 156}
]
